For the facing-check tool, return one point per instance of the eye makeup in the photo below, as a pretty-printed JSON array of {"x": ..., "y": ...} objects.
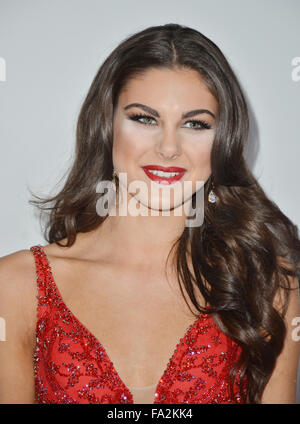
[{"x": 138, "y": 116}]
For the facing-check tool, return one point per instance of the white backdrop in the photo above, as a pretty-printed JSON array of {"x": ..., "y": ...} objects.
[{"x": 51, "y": 50}]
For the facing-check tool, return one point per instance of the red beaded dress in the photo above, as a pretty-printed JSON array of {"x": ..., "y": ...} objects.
[{"x": 72, "y": 366}]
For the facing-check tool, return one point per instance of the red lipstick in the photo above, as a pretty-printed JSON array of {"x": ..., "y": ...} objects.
[{"x": 164, "y": 179}]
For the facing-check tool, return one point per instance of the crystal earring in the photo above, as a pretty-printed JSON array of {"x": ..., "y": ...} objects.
[{"x": 212, "y": 198}]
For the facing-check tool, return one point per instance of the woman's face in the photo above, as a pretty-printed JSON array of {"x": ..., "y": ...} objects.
[{"x": 163, "y": 137}]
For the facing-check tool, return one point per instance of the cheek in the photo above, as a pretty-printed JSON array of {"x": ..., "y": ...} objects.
[
  {"x": 128, "y": 146},
  {"x": 199, "y": 154}
]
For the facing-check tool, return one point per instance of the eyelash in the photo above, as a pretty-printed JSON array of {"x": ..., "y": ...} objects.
[{"x": 136, "y": 117}]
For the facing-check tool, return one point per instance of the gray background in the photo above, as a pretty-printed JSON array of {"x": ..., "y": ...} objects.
[{"x": 53, "y": 49}]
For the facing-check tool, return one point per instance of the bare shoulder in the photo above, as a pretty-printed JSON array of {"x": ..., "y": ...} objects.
[
  {"x": 18, "y": 291},
  {"x": 18, "y": 312},
  {"x": 16, "y": 269},
  {"x": 15, "y": 262},
  {"x": 282, "y": 386}
]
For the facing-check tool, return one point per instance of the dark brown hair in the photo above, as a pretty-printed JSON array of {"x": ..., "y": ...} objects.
[{"x": 235, "y": 252}]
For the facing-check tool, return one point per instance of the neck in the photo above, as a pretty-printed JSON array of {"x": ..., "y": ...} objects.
[{"x": 140, "y": 234}]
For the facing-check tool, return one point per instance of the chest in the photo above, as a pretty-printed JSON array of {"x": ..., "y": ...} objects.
[{"x": 139, "y": 317}]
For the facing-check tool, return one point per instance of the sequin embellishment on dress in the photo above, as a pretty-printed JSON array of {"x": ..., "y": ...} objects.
[{"x": 72, "y": 366}]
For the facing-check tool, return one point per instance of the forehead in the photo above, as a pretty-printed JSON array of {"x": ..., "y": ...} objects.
[{"x": 169, "y": 86}]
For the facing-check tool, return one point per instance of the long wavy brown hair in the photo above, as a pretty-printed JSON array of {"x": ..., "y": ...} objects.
[{"x": 235, "y": 252}]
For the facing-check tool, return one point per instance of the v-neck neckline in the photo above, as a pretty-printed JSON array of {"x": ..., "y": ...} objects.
[{"x": 97, "y": 342}]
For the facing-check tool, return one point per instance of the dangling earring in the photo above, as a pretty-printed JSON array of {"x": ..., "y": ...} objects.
[{"x": 212, "y": 198}]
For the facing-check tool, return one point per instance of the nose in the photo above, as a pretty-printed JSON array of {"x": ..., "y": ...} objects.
[{"x": 168, "y": 147}]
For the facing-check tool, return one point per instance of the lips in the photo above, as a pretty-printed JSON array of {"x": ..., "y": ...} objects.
[
  {"x": 164, "y": 179},
  {"x": 163, "y": 168}
]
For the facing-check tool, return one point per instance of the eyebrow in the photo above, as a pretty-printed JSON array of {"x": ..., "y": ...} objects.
[{"x": 154, "y": 112}]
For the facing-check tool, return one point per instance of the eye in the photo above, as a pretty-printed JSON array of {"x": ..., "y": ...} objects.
[
  {"x": 197, "y": 124},
  {"x": 137, "y": 118},
  {"x": 203, "y": 125}
]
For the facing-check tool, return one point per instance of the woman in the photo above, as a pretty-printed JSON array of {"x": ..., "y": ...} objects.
[{"x": 145, "y": 305}]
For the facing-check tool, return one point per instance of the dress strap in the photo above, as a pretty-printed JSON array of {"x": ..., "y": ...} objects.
[{"x": 46, "y": 293}]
